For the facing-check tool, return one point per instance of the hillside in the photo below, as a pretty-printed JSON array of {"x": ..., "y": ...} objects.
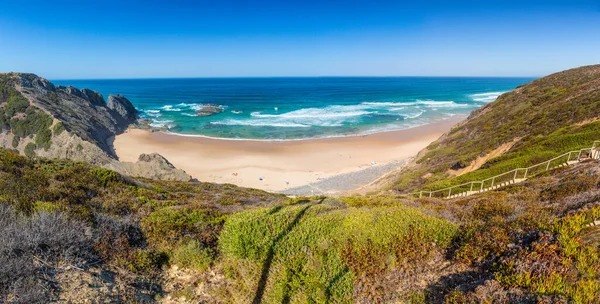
[
  {"x": 38, "y": 118},
  {"x": 70, "y": 232},
  {"x": 541, "y": 116}
]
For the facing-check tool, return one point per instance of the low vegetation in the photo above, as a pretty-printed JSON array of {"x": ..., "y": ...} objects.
[
  {"x": 526, "y": 243},
  {"x": 22, "y": 119}
]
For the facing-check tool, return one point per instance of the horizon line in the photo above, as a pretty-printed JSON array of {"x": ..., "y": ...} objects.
[{"x": 272, "y": 77}]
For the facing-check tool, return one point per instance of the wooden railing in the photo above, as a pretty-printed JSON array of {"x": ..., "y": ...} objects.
[{"x": 513, "y": 176}]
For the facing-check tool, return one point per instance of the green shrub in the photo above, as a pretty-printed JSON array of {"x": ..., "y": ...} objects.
[
  {"x": 30, "y": 150},
  {"x": 167, "y": 226},
  {"x": 106, "y": 176},
  {"x": 58, "y": 129},
  {"x": 305, "y": 247},
  {"x": 193, "y": 255},
  {"x": 16, "y": 103},
  {"x": 569, "y": 186},
  {"x": 147, "y": 260},
  {"x": 42, "y": 139},
  {"x": 15, "y": 141}
]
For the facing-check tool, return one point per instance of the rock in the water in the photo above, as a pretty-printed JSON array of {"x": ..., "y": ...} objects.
[
  {"x": 121, "y": 105},
  {"x": 209, "y": 109}
]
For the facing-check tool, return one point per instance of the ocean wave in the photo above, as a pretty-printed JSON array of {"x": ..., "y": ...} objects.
[
  {"x": 425, "y": 103},
  {"x": 192, "y": 106},
  {"x": 388, "y": 103},
  {"x": 257, "y": 123},
  {"x": 326, "y": 112},
  {"x": 152, "y": 113},
  {"x": 443, "y": 104},
  {"x": 170, "y": 108},
  {"x": 156, "y": 123},
  {"x": 486, "y": 97},
  {"x": 412, "y": 116}
]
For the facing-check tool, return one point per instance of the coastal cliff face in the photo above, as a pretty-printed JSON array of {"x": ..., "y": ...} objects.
[{"x": 38, "y": 118}]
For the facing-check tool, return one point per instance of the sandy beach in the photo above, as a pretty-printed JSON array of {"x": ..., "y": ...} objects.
[{"x": 283, "y": 165}]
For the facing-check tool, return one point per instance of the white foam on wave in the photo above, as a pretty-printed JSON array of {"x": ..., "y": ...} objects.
[
  {"x": 425, "y": 103},
  {"x": 257, "y": 123},
  {"x": 441, "y": 104},
  {"x": 414, "y": 115},
  {"x": 486, "y": 97},
  {"x": 192, "y": 106},
  {"x": 153, "y": 113},
  {"x": 156, "y": 123},
  {"x": 326, "y": 112},
  {"x": 170, "y": 108}
]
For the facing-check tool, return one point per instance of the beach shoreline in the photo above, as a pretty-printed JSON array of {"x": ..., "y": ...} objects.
[{"x": 281, "y": 165}]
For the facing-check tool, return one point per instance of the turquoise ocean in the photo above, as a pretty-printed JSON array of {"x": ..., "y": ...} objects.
[{"x": 298, "y": 108}]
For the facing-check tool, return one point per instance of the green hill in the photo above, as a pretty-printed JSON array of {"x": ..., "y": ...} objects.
[{"x": 533, "y": 123}]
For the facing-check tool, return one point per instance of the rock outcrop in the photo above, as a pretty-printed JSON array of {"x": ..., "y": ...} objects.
[
  {"x": 122, "y": 106},
  {"x": 66, "y": 122},
  {"x": 209, "y": 109},
  {"x": 155, "y": 166}
]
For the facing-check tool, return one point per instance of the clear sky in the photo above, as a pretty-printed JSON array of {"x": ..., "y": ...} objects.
[{"x": 173, "y": 38}]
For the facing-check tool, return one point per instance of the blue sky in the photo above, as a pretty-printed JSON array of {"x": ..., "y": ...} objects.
[{"x": 138, "y": 39}]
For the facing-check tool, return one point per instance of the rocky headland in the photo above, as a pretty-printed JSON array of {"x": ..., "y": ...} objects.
[{"x": 38, "y": 118}]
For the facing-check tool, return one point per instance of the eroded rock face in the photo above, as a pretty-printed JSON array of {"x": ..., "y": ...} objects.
[
  {"x": 121, "y": 105},
  {"x": 94, "y": 97}
]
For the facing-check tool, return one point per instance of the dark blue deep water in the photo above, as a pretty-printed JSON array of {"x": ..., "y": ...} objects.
[{"x": 292, "y": 108}]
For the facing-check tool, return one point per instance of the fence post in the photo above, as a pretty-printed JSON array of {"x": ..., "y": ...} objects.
[
  {"x": 430, "y": 194},
  {"x": 449, "y": 191},
  {"x": 421, "y": 194},
  {"x": 515, "y": 177},
  {"x": 579, "y": 155},
  {"x": 481, "y": 186},
  {"x": 525, "y": 176},
  {"x": 493, "y": 179},
  {"x": 472, "y": 183},
  {"x": 548, "y": 166}
]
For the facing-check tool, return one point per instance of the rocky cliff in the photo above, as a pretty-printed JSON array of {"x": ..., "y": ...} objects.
[{"x": 38, "y": 118}]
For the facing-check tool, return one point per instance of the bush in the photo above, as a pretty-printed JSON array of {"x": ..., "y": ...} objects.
[
  {"x": 193, "y": 255},
  {"x": 167, "y": 226},
  {"x": 30, "y": 150},
  {"x": 320, "y": 252},
  {"x": 34, "y": 122},
  {"x": 58, "y": 129},
  {"x": 51, "y": 238},
  {"x": 106, "y": 176},
  {"x": 42, "y": 139},
  {"x": 146, "y": 261},
  {"x": 15, "y": 141},
  {"x": 569, "y": 186},
  {"x": 16, "y": 103}
]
